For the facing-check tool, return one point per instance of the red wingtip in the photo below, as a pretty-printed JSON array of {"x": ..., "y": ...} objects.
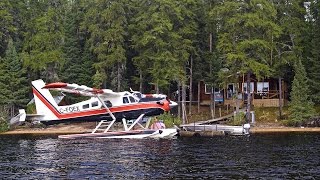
[
  {"x": 97, "y": 91},
  {"x": 55, "y": 85}
]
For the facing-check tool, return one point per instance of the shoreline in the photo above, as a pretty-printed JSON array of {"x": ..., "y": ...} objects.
[{"x": 79, "y": 130}]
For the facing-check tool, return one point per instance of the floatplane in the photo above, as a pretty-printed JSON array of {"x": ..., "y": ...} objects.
[{"x": 104, "y": 106}]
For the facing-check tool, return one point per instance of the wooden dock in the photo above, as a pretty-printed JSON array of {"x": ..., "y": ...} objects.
[
  {"x": 211, "y": 127},
  {"x": 222, "y": 118}
]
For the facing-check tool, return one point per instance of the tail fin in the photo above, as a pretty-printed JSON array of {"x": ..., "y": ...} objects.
[{"x": 45, "y": 103}]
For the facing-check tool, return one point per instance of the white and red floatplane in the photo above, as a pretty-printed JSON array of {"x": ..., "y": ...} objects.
[{"x": 104, "y": 105}]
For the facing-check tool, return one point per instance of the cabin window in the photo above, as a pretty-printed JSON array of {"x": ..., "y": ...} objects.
[
  {"x": 132, "y": 100},
  {"x": 94, "y": 104},
  {"x": 231, "y": 91},
  {"x": 125, "y": 100},
  {"x": 86, "y": 106},
  {"x": 244, "y": 87},
  {"x": 262, "y": 88},
  {"x": 207, "y": 88}
]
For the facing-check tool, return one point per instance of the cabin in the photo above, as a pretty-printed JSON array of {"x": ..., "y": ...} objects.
[{"x": 264, "y": 93}]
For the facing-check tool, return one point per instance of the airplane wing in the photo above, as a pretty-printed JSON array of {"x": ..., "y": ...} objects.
[{"x": 79, "y": 89}]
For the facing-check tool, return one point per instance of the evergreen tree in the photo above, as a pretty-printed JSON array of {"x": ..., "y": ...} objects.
[
  {"x": 301, "y": 107},
  {"x": 162, "y": 36},
  {"x": 78, "y": 66},
  {"x": 16, "y": 93},
  {"x": 106, "y": 22},
  {"x": 246, "y": 30},
  {"x": 314, "y": 60},
  {"x": 42, "y": 50},
  {"x": 7, "y": 27}
]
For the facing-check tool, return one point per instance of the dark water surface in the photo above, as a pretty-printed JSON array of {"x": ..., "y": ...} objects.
[{"x": 280, "y": 156}]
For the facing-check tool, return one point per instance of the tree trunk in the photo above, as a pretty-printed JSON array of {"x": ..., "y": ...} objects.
[
  {"x": 184, "y": 117},
  {"x": 190, "y": 86},
  {"x": 280, "y": 98},
  {"x": 157, "y": 88},
  {"x": 214, "y": 103},
  {"x": 178, "y": 99},
  {"x": 248, "y": 97},
  {"x": 119, "y": 77},
  {"x": 199, "y": 96},
  {"x": 141, "y": 81}
]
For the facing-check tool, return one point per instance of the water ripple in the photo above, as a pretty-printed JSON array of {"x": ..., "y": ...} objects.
[{"x": 278, "y": 156}]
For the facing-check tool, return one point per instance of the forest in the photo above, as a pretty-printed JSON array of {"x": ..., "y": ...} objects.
[{"x": 159, "y": 45}]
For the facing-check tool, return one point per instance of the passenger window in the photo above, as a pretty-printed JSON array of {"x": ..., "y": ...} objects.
[
  {"x": 86, "y": 106},
  {"x": 108, "y": 103},
  {"x": 132, "y": 100},
  {"x": 94, "y": 104},
  {"x": 125, "y": 100}
]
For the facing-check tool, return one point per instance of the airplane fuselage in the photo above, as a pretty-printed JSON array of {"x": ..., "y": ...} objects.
[{"x": 120, "y": 105}]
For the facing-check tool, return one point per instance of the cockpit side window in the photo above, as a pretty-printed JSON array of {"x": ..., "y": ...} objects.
[{"x": 125, "y": 100}]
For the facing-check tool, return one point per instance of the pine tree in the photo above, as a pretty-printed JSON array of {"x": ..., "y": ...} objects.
[
  {"x": 7, "y": 28},
  {"x": 78, "y": 66},
  {"x": 106, "y": 22},
  {"x": 17, "y": 81},
  {"x": 301, "y": 107},
  {"x": 42, "y": 50},
  {"x": 314, "y": 59}
]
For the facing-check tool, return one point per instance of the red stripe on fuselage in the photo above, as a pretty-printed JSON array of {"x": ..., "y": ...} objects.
[{"x": 124, "y": 108}]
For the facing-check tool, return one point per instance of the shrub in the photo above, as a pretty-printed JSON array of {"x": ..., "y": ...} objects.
[
  {"x": 238, "y": 120},
  {"x": 169, "y": 120},
  {"x": 4, "y": 126}
]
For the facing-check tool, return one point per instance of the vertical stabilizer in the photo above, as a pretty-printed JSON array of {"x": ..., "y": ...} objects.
[{"x": 45, "y": 103}]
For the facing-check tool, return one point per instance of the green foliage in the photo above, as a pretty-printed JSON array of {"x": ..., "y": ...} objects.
[
  {"x": 169, "y": 120},
  {"x": 42, "y": 49},
  {"x": 313, "y": 63},
  {"x": 31, "y": 109},
  {"x": 13, "y": 81},
  {"x": 4, "y": 126},
  {"x": 301, "y": 108},
  {"x": 106, "y": 22},
  {"x": 245, "y": 37},
  {"x": 78, "y": 65},
  {"x": 238, "y": 120},
  {"x": 162, "y": 34},
  {"x": 7, "y": 24}
]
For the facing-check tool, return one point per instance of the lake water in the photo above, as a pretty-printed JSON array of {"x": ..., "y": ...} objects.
[{"x": 277, "y": 156}]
